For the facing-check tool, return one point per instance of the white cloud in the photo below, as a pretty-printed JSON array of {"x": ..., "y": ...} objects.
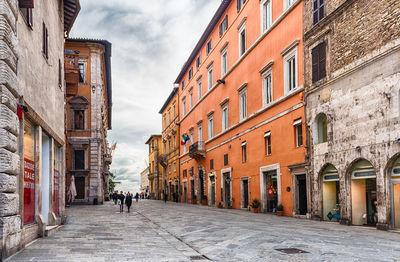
[{"x": 151, "y": 41}]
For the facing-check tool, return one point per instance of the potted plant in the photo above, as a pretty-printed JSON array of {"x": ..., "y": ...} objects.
[
  {"x": 220, "y": 205},
  {"x": 204, "y": 201},
  {"x": 255, "y": 205},
  {"x": 279, "y": 210}
]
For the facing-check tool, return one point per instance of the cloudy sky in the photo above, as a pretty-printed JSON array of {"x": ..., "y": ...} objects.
[{"x": 151, "y": 41}]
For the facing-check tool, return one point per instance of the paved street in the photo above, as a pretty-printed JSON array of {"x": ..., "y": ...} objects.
[{"x": 155, "y": 231}]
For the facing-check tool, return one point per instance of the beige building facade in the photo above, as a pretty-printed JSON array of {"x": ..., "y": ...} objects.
[{"x": 144, "y": 181}]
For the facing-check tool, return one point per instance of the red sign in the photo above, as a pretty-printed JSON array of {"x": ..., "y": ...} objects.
[
  {"x": 25, "y": 3},
  {"x": 56, "y": 191},
  {"x": 29, "y": 191}
]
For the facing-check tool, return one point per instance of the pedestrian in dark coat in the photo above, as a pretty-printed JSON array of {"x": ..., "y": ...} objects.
[
  {"x": 121, "y": 199},
  {"x": 137, "y": 197},
  {"x": 128, "y": 201},
  {"x": 115, "y": 197}
]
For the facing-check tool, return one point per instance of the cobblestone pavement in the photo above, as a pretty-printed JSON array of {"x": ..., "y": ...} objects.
[{"x": 155, "y": 231}]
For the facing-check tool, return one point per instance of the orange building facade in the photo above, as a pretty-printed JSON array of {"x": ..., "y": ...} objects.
[
  {"x": 88, "y": 118},
  {"x": 241, "y": 105}
]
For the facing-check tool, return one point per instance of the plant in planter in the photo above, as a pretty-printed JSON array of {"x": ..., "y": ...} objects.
[
  {"x": 279, "y": 210},
  {"x": 204, "y": 201},
  {"x": 220, "y": 205},
  {"x": 255, "y": 205}
]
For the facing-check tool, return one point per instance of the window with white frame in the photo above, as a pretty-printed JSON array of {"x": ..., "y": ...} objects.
[
  {"x": 210, "y": 126},
  {"x": 174, "y": 142},
  {"x": 190, "y": 73},
  {"x": 174, "y": 110},
  {"x": 169, "y": 115},
  {"x": 225, "y": 117},
  {"x": 267, "y": 87},
  {"x": 266, "y": 14},
  {"x": 289, "y": 3},
  {"x": 244, "y": 152},
  {"x": 184, "y": 148},
  {"x": 183, "y": 84},
  {"x": 198, "y": 62},
  {"x": 210, "y": 77},
  {"x": 174, "y": 166},
  {"x": 169, "y": 146},
  {"x": 299, "y": 132},
  {"x": 290, "y": 70},
  {"x": 243, "y": 104},
  {"x": 165, "y": 121},
  {"x": 199, "y": 89},
  {"x": 191, "y": 136},
  {"x": 184, "y": 106},
  {"x": 191, "y": 98},
  {"x": 209, "y": 47},
  {"x": 200, "y": 135},
  {"x": 239, "y": 4},
  {"x": 169, "y": 167},
  {"x": 242, "y": 39},
  {"x": 223, "y": 26},
  {"x": 224, "y": 61},
  {"x": 267, "y": 138}
]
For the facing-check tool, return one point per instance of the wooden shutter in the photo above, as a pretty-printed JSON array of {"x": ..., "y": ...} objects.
[
  {"x": 238, "y": 5},
  {"x": 322, "y": 60},
  {"x": 26, "y": 4},
  {"x": 318, "y": 62},
  {"x": 314, "y": 54}
]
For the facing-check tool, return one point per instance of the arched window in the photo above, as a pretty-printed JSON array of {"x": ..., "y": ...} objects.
[{"x": 322, "y": 128}]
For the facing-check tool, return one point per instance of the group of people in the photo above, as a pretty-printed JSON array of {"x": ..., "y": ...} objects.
[{"x": 121, "y": 199}]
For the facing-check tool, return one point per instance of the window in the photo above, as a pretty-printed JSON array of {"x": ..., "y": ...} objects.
[
  {"x": 267, "y": 138},
  {"x": 242, "y": 40},
  {"x": 79, "y": 120},
  {"x": 244, "y": 152},
  {"x": 200, "y": 135},
  {"x": 169, "y": 115},
  {"x": 266, "y": 14},
  {"x": 211, "y": 163},
  {"x": 59, "y": 73},
  {"x": 225, "y": 159},
  {"x": 290, "y": 70},
  {"x": 45, "y": 43},
  {"x": 174, "y": 142},
  {"x": 190, "y": 73},
  {"x": 225, "y": 118},
  {"x": 198, "y": 62},
  {"x": 240, "y": 4},
  {"x": 224, "y": 62},
  {"x": 199, "y": 89},
  {"x": 27, "y": 15},
  {"x": 184, "y": 106},
  {"x": 209, "y": 47},
  {"x": 210, "y": 77},
  {"x": 79, "y": 157},
  {"x": 267, "y": 88},
  {"x": 81, "y": 72},
  {"x": 165, "y": 147},
  {"x": 174, "y": 110},
  {"x": 174, "y": 166},
  {"x": 191, "y": 136},
  {"x": 299, "y": 132},
  {"x": 184, "y": 148},
  {"x": 290, "y": 2},
  {"x": 165, "y": 121},
  {"x": 318, "y": 62},
  {"x": 191, "y": 98},
  {"x": 183, "y": 84},
  {"x": 318, "y": 10},
  {"x": 169, "y": 169},
  {"x": 210, "y": 127},
  {"x": 223, "y": 26},
  {"x": 243, "y": 104},
  {"x": 322, "y": 125},
  {"x": 169, "y": 146}
]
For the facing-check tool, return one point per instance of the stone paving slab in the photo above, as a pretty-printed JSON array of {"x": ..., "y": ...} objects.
[{"x": 155, "y": 231}]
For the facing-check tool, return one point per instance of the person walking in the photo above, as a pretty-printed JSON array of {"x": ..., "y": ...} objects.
[
  {"x": 128, "y": 201},
  {"x": 165, "y": 196},
  {"x": 121, "y": 198},
  {"x": 115, "y": 197},
  {"x": 137, "y": 197}
]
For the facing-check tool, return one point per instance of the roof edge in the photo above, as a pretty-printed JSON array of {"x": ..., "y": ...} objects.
[{"x": 172, "y": 94}]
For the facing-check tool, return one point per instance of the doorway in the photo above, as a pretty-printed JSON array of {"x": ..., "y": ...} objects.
[
  {"x": 185, "y": 192},
  {"x": 227, "y": 189},
  {"x": 192, "y": 192},
  {"x": 245, "y": 193},
  {"x": 330, "y": 194},
  {"x": 80, "y": 187},
  {"x": 302, "y": 194},
  {"x": 271, "y": 197},
  {"x": 211, "y": 189}
]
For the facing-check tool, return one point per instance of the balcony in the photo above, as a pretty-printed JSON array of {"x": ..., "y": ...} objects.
[
  {"x": 71, "y": 68},
  {"x": 197, "y": 150},
  {"x": 163, "y": 160}
]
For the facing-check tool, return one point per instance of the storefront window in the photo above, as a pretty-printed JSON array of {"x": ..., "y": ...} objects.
[
  {"x": 29, "y": 172},
  {"x": 56, "y": 178}
]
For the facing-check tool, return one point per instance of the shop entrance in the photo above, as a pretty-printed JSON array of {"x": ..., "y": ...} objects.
[
  {"x": 302, "y": 194},
  {"x": 330, "y": 194},
  {"x": 395, "y": 175},
  {"x": 245, "y": 193},
  {"x": 211, "y": 189},
  {"x": 80, "y": 187},
  {"x": 271, "y": 196},
  {"x": 363, "y": 194}
]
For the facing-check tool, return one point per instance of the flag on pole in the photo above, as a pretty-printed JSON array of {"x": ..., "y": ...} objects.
[
  {"x": 114, "y": 146},
  {"x": 185, "y": 138}
]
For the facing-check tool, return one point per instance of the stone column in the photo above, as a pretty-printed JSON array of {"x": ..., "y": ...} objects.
[{"x": 10, "y": 220}]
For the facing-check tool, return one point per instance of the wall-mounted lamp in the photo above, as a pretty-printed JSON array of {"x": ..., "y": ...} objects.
[
  {"x": 388, "y": 95},
  {"x": 358, "y": 148},
  {"x": 93, "y": 89},
  {"x": 220, "y": 81},
  {"x": 326, "y": 154}
]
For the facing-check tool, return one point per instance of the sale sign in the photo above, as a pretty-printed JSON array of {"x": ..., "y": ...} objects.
[
  {"x": 56, "y": 188},
  {"x": 29, "y": 191}
]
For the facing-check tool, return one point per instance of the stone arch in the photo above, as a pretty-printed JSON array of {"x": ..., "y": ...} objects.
[
  {"x": 358, "y": 181},
  {"x": 329, "y": 184},
  {"x": 390, "y": 191},
  {"x": 321, "y": 128}
]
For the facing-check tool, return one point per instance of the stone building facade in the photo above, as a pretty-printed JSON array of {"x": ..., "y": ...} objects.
[
  {"x": 352, "y": 84},
  {"x": 32, "y": 118},
  {"x": 169, "y": 160},
  {"x": 144, "y": 181},
  {"x": 155, "y": 168},
  {"x": 88, "y": 117}
]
